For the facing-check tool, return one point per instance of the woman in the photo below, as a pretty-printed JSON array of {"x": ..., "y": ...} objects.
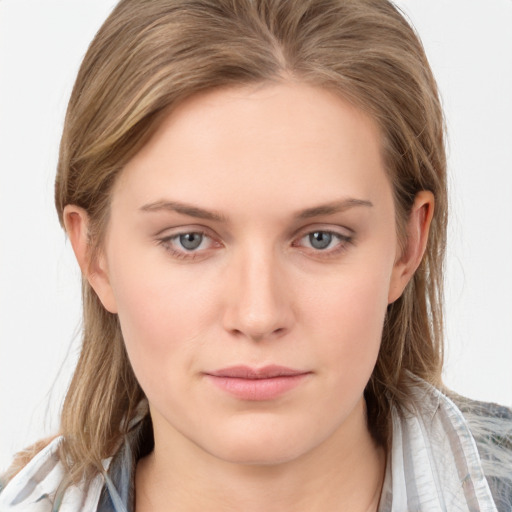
[{"x": 255, "y": 192}]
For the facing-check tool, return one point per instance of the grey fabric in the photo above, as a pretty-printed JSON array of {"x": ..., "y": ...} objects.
[
  {"x": 433, "y": 464},
  {"x": 491, "y": 427}
]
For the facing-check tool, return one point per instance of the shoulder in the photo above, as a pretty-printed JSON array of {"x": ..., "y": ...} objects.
[
  {"x": 490, "y": 424},
  {"x": 36, "y": 488},
  {"x": 491, "y": 427},
  {"x": 483, "y": 409}
]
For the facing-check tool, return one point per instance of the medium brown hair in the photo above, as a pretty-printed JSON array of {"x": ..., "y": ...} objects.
[{"x": 151, "y": 54}]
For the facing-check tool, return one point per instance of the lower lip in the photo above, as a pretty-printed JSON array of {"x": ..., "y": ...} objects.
[{"x": 258, "y": 389}]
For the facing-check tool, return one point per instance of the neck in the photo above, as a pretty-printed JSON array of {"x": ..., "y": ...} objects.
[{"x": 342, "y": 473}]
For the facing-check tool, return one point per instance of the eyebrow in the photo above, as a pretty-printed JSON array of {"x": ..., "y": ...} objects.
[
  {"x": 201, "y": 213},
  {"x": 334, "y": 207},
  {"x": 185, "y": 209}
]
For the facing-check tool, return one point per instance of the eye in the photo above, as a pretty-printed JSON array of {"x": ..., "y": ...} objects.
[
  {"x": 320, "y": 239},
  {"x": 190, "y": 241},
  {"x": 324, "y": 241},
  {"x": 188, "y": 244}
]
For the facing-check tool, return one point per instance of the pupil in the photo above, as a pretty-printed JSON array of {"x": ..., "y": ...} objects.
[
  {"x": 320, "y": 239},
  {"x": 191, "y": 241}
]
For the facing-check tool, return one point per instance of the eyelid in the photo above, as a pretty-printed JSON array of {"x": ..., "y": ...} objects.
[
  {"x": 182, "y": 229},
  {"x": 343, "y": 231},
  {"x": 336, "y": 234},
  {"x": 345, "y": 239},
  {"x": 165, "y": 238}
]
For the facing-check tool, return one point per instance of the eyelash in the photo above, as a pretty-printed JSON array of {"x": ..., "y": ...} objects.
[
  {"x": 183, "y": 254},
  {"x": 340, "y": 247},
  {"x": 190, "y": 255}
]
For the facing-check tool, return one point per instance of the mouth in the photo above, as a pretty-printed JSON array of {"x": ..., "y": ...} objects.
[{"x": 257, "y": 384}]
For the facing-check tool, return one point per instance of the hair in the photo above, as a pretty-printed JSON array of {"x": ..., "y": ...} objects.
[{"x": 150, "y": 55}]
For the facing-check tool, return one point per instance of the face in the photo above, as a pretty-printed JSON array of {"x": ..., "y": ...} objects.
[{"x": 250, "y": 255}]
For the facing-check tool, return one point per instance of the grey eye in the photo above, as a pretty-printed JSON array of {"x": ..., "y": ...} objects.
[
  {"x": 320, "y": 239},
  {"x": 191, "y": 241}
]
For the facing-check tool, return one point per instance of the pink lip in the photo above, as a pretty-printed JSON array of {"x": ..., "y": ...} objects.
[{"x": 265, "y": 383}]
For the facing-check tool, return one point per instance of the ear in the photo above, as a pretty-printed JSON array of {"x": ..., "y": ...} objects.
[
  {"x": 94, "y": 267},
  {"x": 410, "y": 256}
]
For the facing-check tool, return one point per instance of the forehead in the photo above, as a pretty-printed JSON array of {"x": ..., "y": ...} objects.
[{"x": 288, "y": 145}]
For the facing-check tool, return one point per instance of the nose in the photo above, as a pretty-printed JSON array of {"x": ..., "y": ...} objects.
[{"x": 258, "y": 302}]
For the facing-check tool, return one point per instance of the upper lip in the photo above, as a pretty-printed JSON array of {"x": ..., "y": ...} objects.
[{"x": 265, "y": 372}]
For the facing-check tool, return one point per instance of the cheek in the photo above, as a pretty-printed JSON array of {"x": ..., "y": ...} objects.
[
  {"x": 349, "y": 312},
  {"x": 163, "y": 311}
]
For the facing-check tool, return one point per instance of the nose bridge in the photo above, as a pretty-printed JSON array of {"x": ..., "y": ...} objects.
[{"x": 258, "y": 306}]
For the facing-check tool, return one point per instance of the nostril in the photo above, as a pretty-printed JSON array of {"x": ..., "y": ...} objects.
[{"x": 258, "y": 335}]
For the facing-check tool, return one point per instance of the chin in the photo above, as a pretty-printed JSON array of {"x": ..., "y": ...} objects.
[
  {"x": 263, "y": 445},
  {"x": 257, "y": 454}
]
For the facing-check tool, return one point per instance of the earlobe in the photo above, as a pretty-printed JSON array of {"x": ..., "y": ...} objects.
[
  {"x": 409, "y": 259},
  {"x": 93, "y": 267}
]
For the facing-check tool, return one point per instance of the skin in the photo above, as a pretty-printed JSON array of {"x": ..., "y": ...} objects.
[{"x": 256, "y": 291}]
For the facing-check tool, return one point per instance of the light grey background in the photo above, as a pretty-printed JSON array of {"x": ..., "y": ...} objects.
[{"x": 469, "y": 43}]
